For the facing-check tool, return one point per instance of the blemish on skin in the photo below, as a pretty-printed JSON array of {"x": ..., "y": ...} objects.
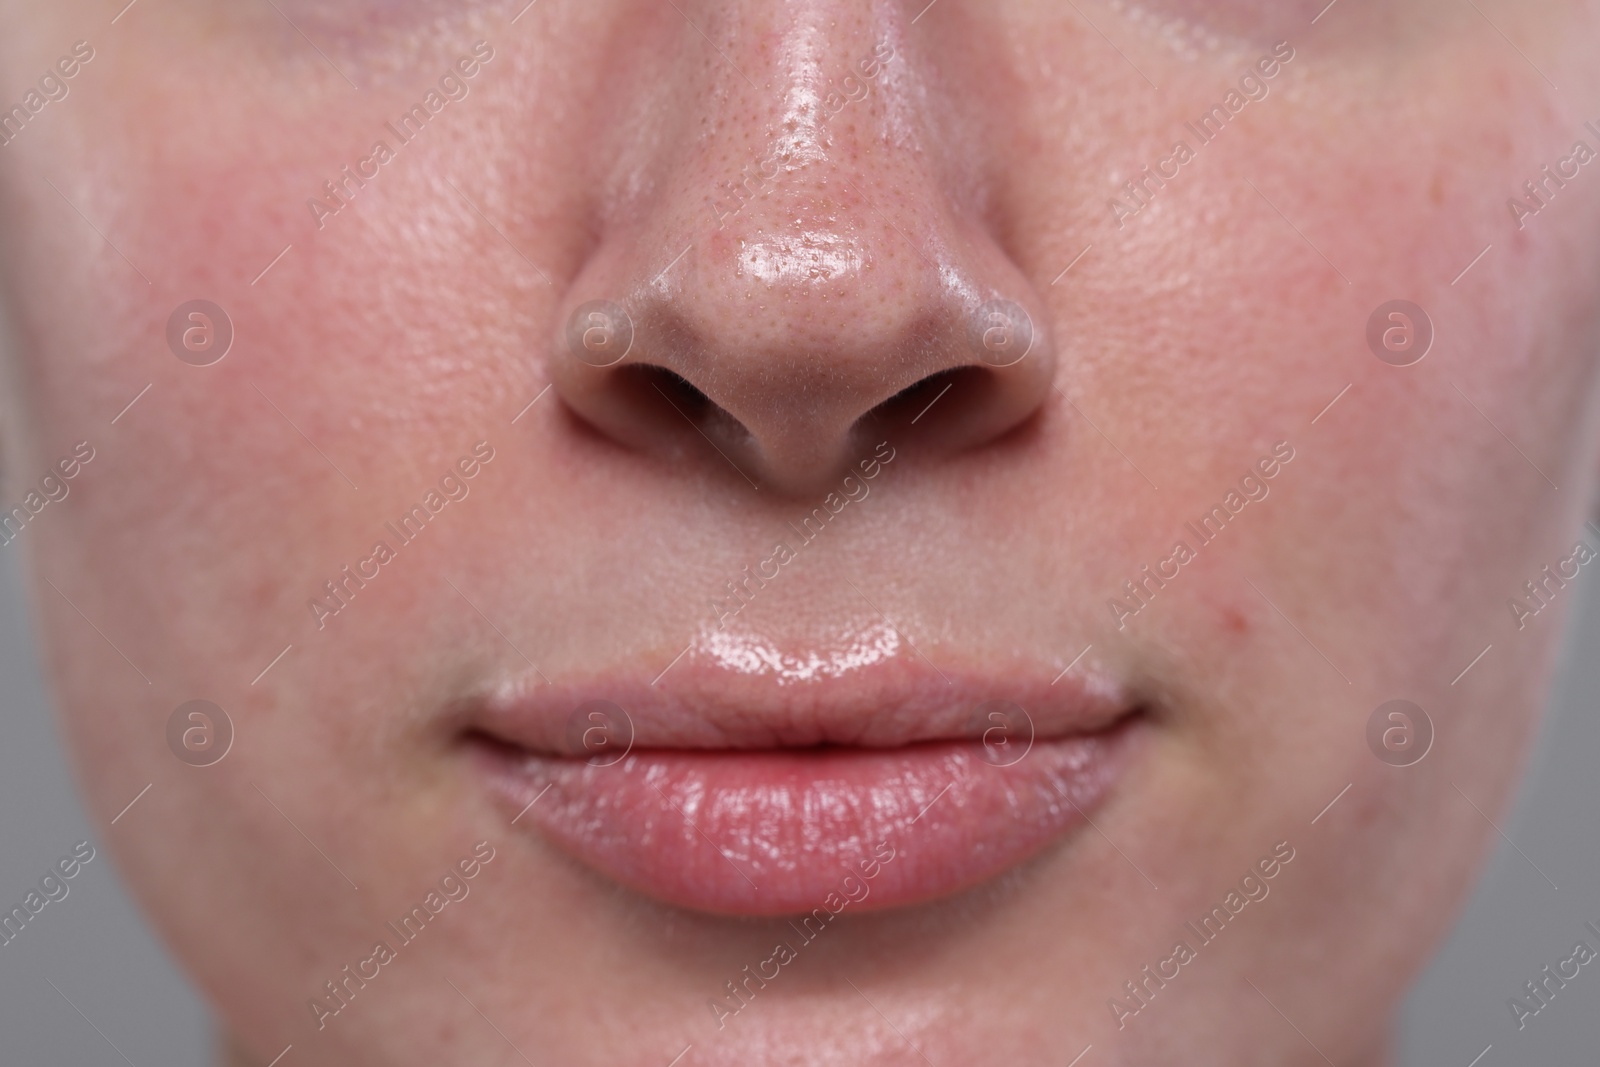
[{"x": 1234, "y": 622}]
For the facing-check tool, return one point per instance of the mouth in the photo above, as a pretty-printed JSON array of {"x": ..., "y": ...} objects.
[{"x": 728, "y": 795}]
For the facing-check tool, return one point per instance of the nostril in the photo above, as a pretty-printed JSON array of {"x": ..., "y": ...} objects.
[
  {"x": 649, "y": 383},
  {"x": 934, "y": 402},
  {"x": 677, "y": 406},
  {"x": 795, "y": 405},
  {"x": 911, "y": 400}
]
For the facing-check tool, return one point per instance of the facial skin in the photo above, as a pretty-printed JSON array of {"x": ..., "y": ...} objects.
[{"x": 601, "y": 139}]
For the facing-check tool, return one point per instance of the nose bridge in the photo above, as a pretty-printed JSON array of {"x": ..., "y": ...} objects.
[
  {"x": 820, "y": 67},
  {"x": 816, "y": 278},
  {"x": 800, "y": 257},
  {"x": 814, "y": 198}
]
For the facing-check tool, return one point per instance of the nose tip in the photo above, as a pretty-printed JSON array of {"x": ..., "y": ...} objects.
[
  {"x": 790, "y": 402},
  {"x": 832, "y": 292}
]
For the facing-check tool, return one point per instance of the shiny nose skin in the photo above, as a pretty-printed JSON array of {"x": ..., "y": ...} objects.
[{"x": 798, "y": 261}]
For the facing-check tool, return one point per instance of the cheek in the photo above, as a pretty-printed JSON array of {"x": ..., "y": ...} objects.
[
  {"x": 237, "y": 489},
  {"x": 1380, "y": 562}
]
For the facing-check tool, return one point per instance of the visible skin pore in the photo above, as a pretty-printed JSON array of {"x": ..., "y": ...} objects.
[{"x": 591, "y": 150}]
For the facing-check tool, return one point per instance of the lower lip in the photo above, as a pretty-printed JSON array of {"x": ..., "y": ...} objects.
[{"x": 772, "y": 833}]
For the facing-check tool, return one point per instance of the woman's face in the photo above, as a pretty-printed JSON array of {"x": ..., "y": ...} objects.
[{"x": 970, "y": 576}]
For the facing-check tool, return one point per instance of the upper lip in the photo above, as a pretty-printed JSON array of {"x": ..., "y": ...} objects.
[{"x": 708, "y": 707}]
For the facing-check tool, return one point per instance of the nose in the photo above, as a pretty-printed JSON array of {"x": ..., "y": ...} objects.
[{"x": 797, "y": 252}]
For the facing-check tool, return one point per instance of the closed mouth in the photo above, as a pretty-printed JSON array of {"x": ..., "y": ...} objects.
[{"x": 730, "y": 797}]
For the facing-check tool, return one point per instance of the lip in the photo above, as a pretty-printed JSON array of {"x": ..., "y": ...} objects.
[{"x": 728, "y": 794}]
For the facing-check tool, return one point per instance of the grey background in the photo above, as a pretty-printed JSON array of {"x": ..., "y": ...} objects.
[{"x": 108, "y": 966}]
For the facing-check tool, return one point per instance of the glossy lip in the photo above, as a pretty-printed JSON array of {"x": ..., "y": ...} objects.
[{"x": 727, "y": 794}]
